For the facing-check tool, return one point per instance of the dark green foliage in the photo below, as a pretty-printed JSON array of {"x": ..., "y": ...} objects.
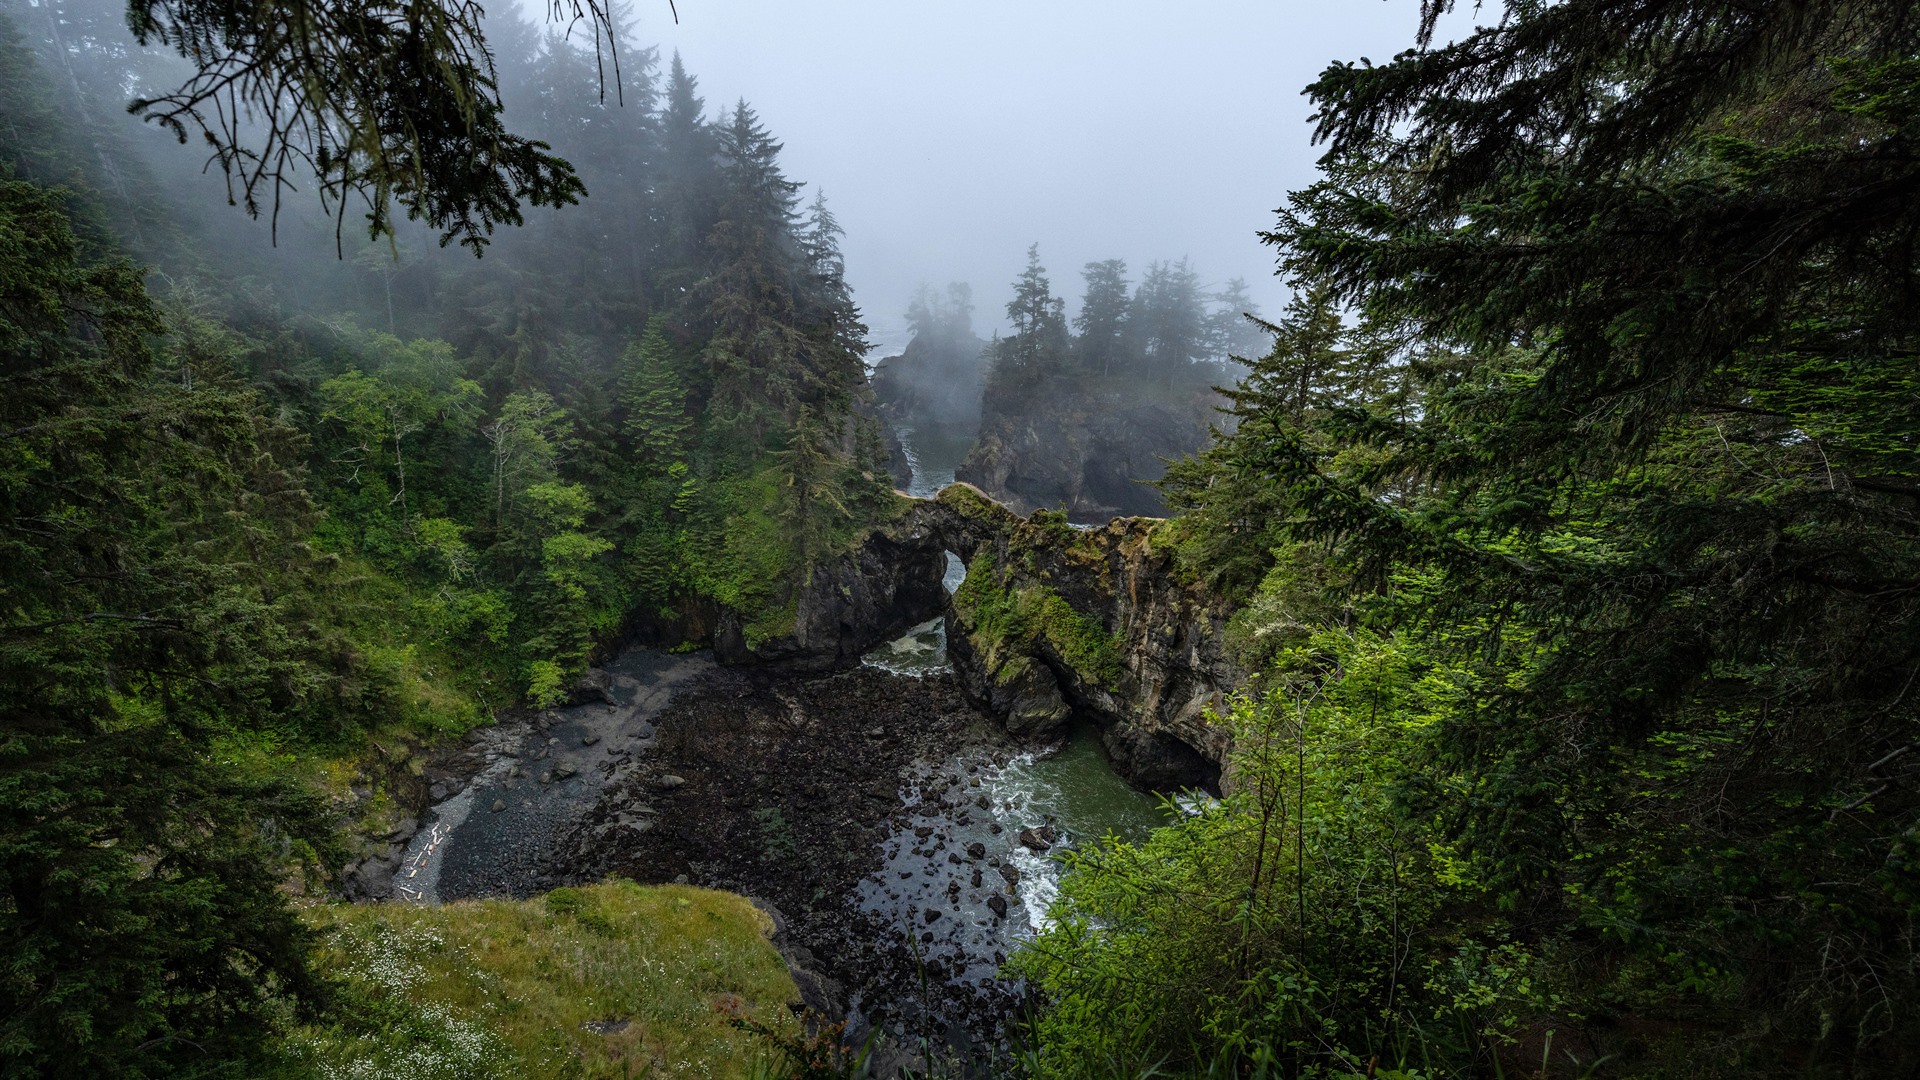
[
  {"x": 393, "y": 103},
  {"x": 156, "y": 627},
  {"x": 1652, "y": 479},
  {"x": 1289, "y": 929},
  {"x": 653, "y": 393},
  {"x": 1236, "y": 517},
  {"x": 243, "y": 532}
]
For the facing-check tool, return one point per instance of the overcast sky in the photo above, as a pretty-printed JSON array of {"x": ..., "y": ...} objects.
[{"x": 950, "y": 134}]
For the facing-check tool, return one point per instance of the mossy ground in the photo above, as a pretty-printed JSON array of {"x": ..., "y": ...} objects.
[{"x": 614, "y": 980}]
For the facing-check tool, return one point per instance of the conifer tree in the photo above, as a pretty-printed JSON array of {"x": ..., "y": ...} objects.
[
  {"x": 686, "y": 184},
  {"x": 150, "y": 554},
  {"x": 758, "y": 355},
  {"x": 1038, "y": 345},
  {"x": 1234, "y": 328},
  {"x": 830, "y": 295},
  {"x": 1102, "y": 320},
  {"x": 1168, "y": 322},
  {"x": 1660, "y": 490},
  {"x": 655, "y": 401}
]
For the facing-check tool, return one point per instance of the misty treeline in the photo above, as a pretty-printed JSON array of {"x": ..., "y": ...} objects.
[
  {"x": 1166, "y": 333},
  {"x": 487, "y": 431},
  {"x": 260, "y": 505},
  {"x": 1163, "y": 331}
]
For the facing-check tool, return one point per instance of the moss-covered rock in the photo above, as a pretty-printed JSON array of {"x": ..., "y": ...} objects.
[
  {"x": 1055, "y": 623},
  {"x": 850, "y": 601}
]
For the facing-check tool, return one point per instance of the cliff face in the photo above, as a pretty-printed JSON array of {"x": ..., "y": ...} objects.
[
  {"x": 934, "y": 384},
  {"x": 849, "y": 604},
  {"x": 1053, "y": 626},
  {"x": 1056, "y": 624},
  {"x": 1086, "y": 445}
]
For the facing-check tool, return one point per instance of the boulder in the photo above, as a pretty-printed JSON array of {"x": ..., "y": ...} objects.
[
  {"x": 1039, "y": 838},
  {"x": 596, "y": 684}
]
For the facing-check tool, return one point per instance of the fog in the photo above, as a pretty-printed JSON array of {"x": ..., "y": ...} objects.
[{"x": 948, "y": 136}]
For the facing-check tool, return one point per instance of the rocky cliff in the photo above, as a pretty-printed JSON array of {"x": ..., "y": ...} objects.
[
  {"x": 934, "y": 384},
  {"x": 1056, "y": 625},
  {"x": 849, "y": 603},
  {"x": 1089, "y": 446}
]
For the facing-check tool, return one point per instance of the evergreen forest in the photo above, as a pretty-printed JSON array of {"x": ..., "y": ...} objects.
[{"x": 1545, "y": 577}]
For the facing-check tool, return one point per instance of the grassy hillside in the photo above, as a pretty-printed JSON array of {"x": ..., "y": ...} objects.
[{"x": 612, "y": 980}]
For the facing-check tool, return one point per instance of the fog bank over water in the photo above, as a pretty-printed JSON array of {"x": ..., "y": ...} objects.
[{"x": 949, "y": 135}]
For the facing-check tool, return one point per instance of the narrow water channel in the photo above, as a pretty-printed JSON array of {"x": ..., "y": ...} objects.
[{"x": 1071, "y": 789}]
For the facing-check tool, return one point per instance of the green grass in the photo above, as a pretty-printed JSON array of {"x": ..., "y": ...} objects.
[{"x": 502, "y": 988}]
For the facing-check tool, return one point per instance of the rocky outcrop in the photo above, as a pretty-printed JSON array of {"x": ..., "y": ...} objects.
[
  {"x": 935, "y": 383},
  {"x": 1086, "y": 447},
  {"x": 1056, "y": 624},
  {"x": 850, "y": 603}
]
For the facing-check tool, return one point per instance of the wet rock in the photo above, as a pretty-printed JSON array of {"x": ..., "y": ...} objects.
[
  {"x": 1039, "y": 838},
  {"x": 998, "y": 904},
  {"x": 589, "y": 739},
  {"x": 669, "y": 782},
  {"x": 1012, "y": 875},
  {"x": 977, "y": 850},
  {"x": 932, "y": 916},
  {"x": 499, "y": 805}
]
